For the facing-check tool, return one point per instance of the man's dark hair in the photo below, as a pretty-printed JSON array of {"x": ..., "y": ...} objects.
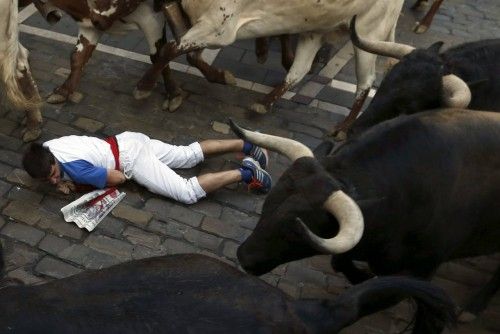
[{"x": 37, "y": 161}]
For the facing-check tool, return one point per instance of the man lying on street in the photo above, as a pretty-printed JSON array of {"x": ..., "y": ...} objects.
[{"x": 130, "y": 155}]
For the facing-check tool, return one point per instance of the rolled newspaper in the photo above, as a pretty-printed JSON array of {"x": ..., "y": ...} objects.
[{"x": 91, "y": 208}]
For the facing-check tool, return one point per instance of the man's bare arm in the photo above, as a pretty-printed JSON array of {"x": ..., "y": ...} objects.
[{"x": 115, "y": 177}]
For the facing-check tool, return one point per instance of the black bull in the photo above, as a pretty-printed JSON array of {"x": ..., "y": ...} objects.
[
  {"x": 416, "y": 83},
  {"x": 427, "y": 186},
  {"x": 197, "y": 294}
]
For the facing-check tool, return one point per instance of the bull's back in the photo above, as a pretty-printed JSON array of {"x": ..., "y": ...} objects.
[
  {"x": 478, "y": 64},
  {"x": 425, "y": 175}
]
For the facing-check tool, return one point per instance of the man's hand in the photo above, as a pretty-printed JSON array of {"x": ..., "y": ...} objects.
[
  {"x": 115, "y": 177},
  {"x": 65, "y": 187}
]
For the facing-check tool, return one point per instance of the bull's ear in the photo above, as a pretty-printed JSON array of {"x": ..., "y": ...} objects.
[
  {"x": 323, "y": 149},
  {"x": 436, "y": 47}
]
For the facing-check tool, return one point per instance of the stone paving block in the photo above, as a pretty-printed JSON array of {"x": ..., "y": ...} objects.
[
  {"x": 312, "y": 291},
  {"x": 59, "y": 129},
  {"x": 56, "y": 268},
  {"x": 290, "y": 288},
  {"x": 462, "y": 274},
  {"x": 159, "y": 208},
  {"x": 172, "y": 228},
  {"x": 21, "y": 232},
  {"x": 88, "y": 125},
  {"x": 299, "y": 273},
  {"x": 229, "y": 249},
  {"x": 56, "y": 224},
  {"x": 4, "y": 187},
  {"x": 141, "y": 252},
  {"x": 20, "y": 176},
  {"x": 25, "y": 276},
  {"x": 87, "y": 257},
  {"x": 10, "y": 143},
  {"x": 4, "y": 170},
  {"x": 10, "y": 158},
  {"x": 111, "y": 226},
  {"x": 17, "y": 254},
  {"x": 231, "y": 216},
  {"x": 139, "y": 217},
  {"x": 308, "y": 130},
  {"x": 226, "y": 229},
  {"x": 174, "y": 246},
  {"x": 21, "y": 194},
  {"x": 53, "y": 245},
  {"x": 243, "y": 201},
  {"x": 185, "y": 215},
  {"x": 22, "y": 212},
  {"x": 7, "y": 126},
  {"x": 202, "y": 239},
  {"x": 54, "y": 204},
  {"x": 117, "y": 248},
  {"x": 140, "y": 237}
]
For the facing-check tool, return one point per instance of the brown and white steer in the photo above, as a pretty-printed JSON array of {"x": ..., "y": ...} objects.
[
  {"x": 220, "y": 23},
  {"x": 17, "y": 87},
  {"x": 134, "y": 14}
]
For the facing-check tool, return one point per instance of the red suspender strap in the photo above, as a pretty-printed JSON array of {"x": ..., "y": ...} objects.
[{"x": 114, "y": 149}]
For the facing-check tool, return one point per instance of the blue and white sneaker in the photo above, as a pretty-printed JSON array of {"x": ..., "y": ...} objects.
[
  {"x": 260, "y": 154},
  {"x": 261, "y": 180}
]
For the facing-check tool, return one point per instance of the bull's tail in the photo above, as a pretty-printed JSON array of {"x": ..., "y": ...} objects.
[
  {"x": 12, "y": 93},
  {"x": 435, "y": 309}
]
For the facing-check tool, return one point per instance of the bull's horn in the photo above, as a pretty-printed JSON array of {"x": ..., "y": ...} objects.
[
  {"x": 288, "y": 147},
  {"x": 388, "y": 49},
  {"x": 351, "y": 226},
  {"x": 456, "y": 93}
]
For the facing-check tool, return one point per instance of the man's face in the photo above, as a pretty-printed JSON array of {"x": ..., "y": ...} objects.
[{"x": 55, "y": 174}]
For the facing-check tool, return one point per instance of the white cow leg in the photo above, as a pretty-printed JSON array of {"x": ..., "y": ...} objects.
[
  {"x": 365, "y": 74},
  {"x": 32, "y": 129},
  {"x": 196, "y": 38},
  {"x": 87, "y": 42},
  {"x": 307, "y": 47},
  {"x": 211, "y": 73}
]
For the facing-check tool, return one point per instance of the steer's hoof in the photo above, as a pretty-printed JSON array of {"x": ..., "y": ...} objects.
[
  {"x": 466, "y": 317},
  {"x": 338, "y": 135},
  {"x": 229, "y": 78},
  {"x": 259, "y": 108},
  {"x": 55, "y": 98},
  {"x": 141, "y": 94},
  {"x": 173, "y": 104},
  {"x": 420, "y": 28},
  {"x": 30, "y": 135}
]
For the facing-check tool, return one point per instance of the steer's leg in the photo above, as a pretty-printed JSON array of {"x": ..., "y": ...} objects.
[
  {"x": 346, "y": 266},
  {"x": 287, "y": 55},
  {"x": 29, "y": 89},
  {"x": 212, "y": 74},
  {"x": 197, "y": 37},
  {"x": 33, "y": 115},
  {"x": 425, "y": 23},
  {"x": 308, "y": 45},
  {"x": 480, "y": 300},
  {"x": 261, "y": 49},
  {"x": 87, "y": 42}
]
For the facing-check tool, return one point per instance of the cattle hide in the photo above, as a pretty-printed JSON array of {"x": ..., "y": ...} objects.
[{"x": 197, "y": 294}]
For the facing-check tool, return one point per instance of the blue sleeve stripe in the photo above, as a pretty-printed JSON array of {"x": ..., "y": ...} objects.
[{"x": 83, "y": 172}]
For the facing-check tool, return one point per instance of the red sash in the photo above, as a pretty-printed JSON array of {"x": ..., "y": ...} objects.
[{"x": 114, "y": 149}]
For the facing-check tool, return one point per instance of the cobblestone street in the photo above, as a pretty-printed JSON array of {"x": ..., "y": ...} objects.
[{"x": 40, "y": 246}]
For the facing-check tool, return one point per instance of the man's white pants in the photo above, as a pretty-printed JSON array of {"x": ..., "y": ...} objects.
[{"x": 150, "y": 162}]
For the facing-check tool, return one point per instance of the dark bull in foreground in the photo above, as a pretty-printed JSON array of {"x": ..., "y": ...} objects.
[
  {"x": 197, "y": 294},
  {"x": 404, "y": 196},
  {"x": 465, "y": 76}
]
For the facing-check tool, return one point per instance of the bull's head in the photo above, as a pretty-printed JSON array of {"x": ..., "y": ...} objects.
[
  {"x": 416, "y": 83},
  {"x": 305, "y": 204}
]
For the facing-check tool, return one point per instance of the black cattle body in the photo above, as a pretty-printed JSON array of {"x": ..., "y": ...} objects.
[
  {"x": 193, "y": 293},
  {"x": 416, "y": 83},
  {"x": 424, "y": 187}
]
